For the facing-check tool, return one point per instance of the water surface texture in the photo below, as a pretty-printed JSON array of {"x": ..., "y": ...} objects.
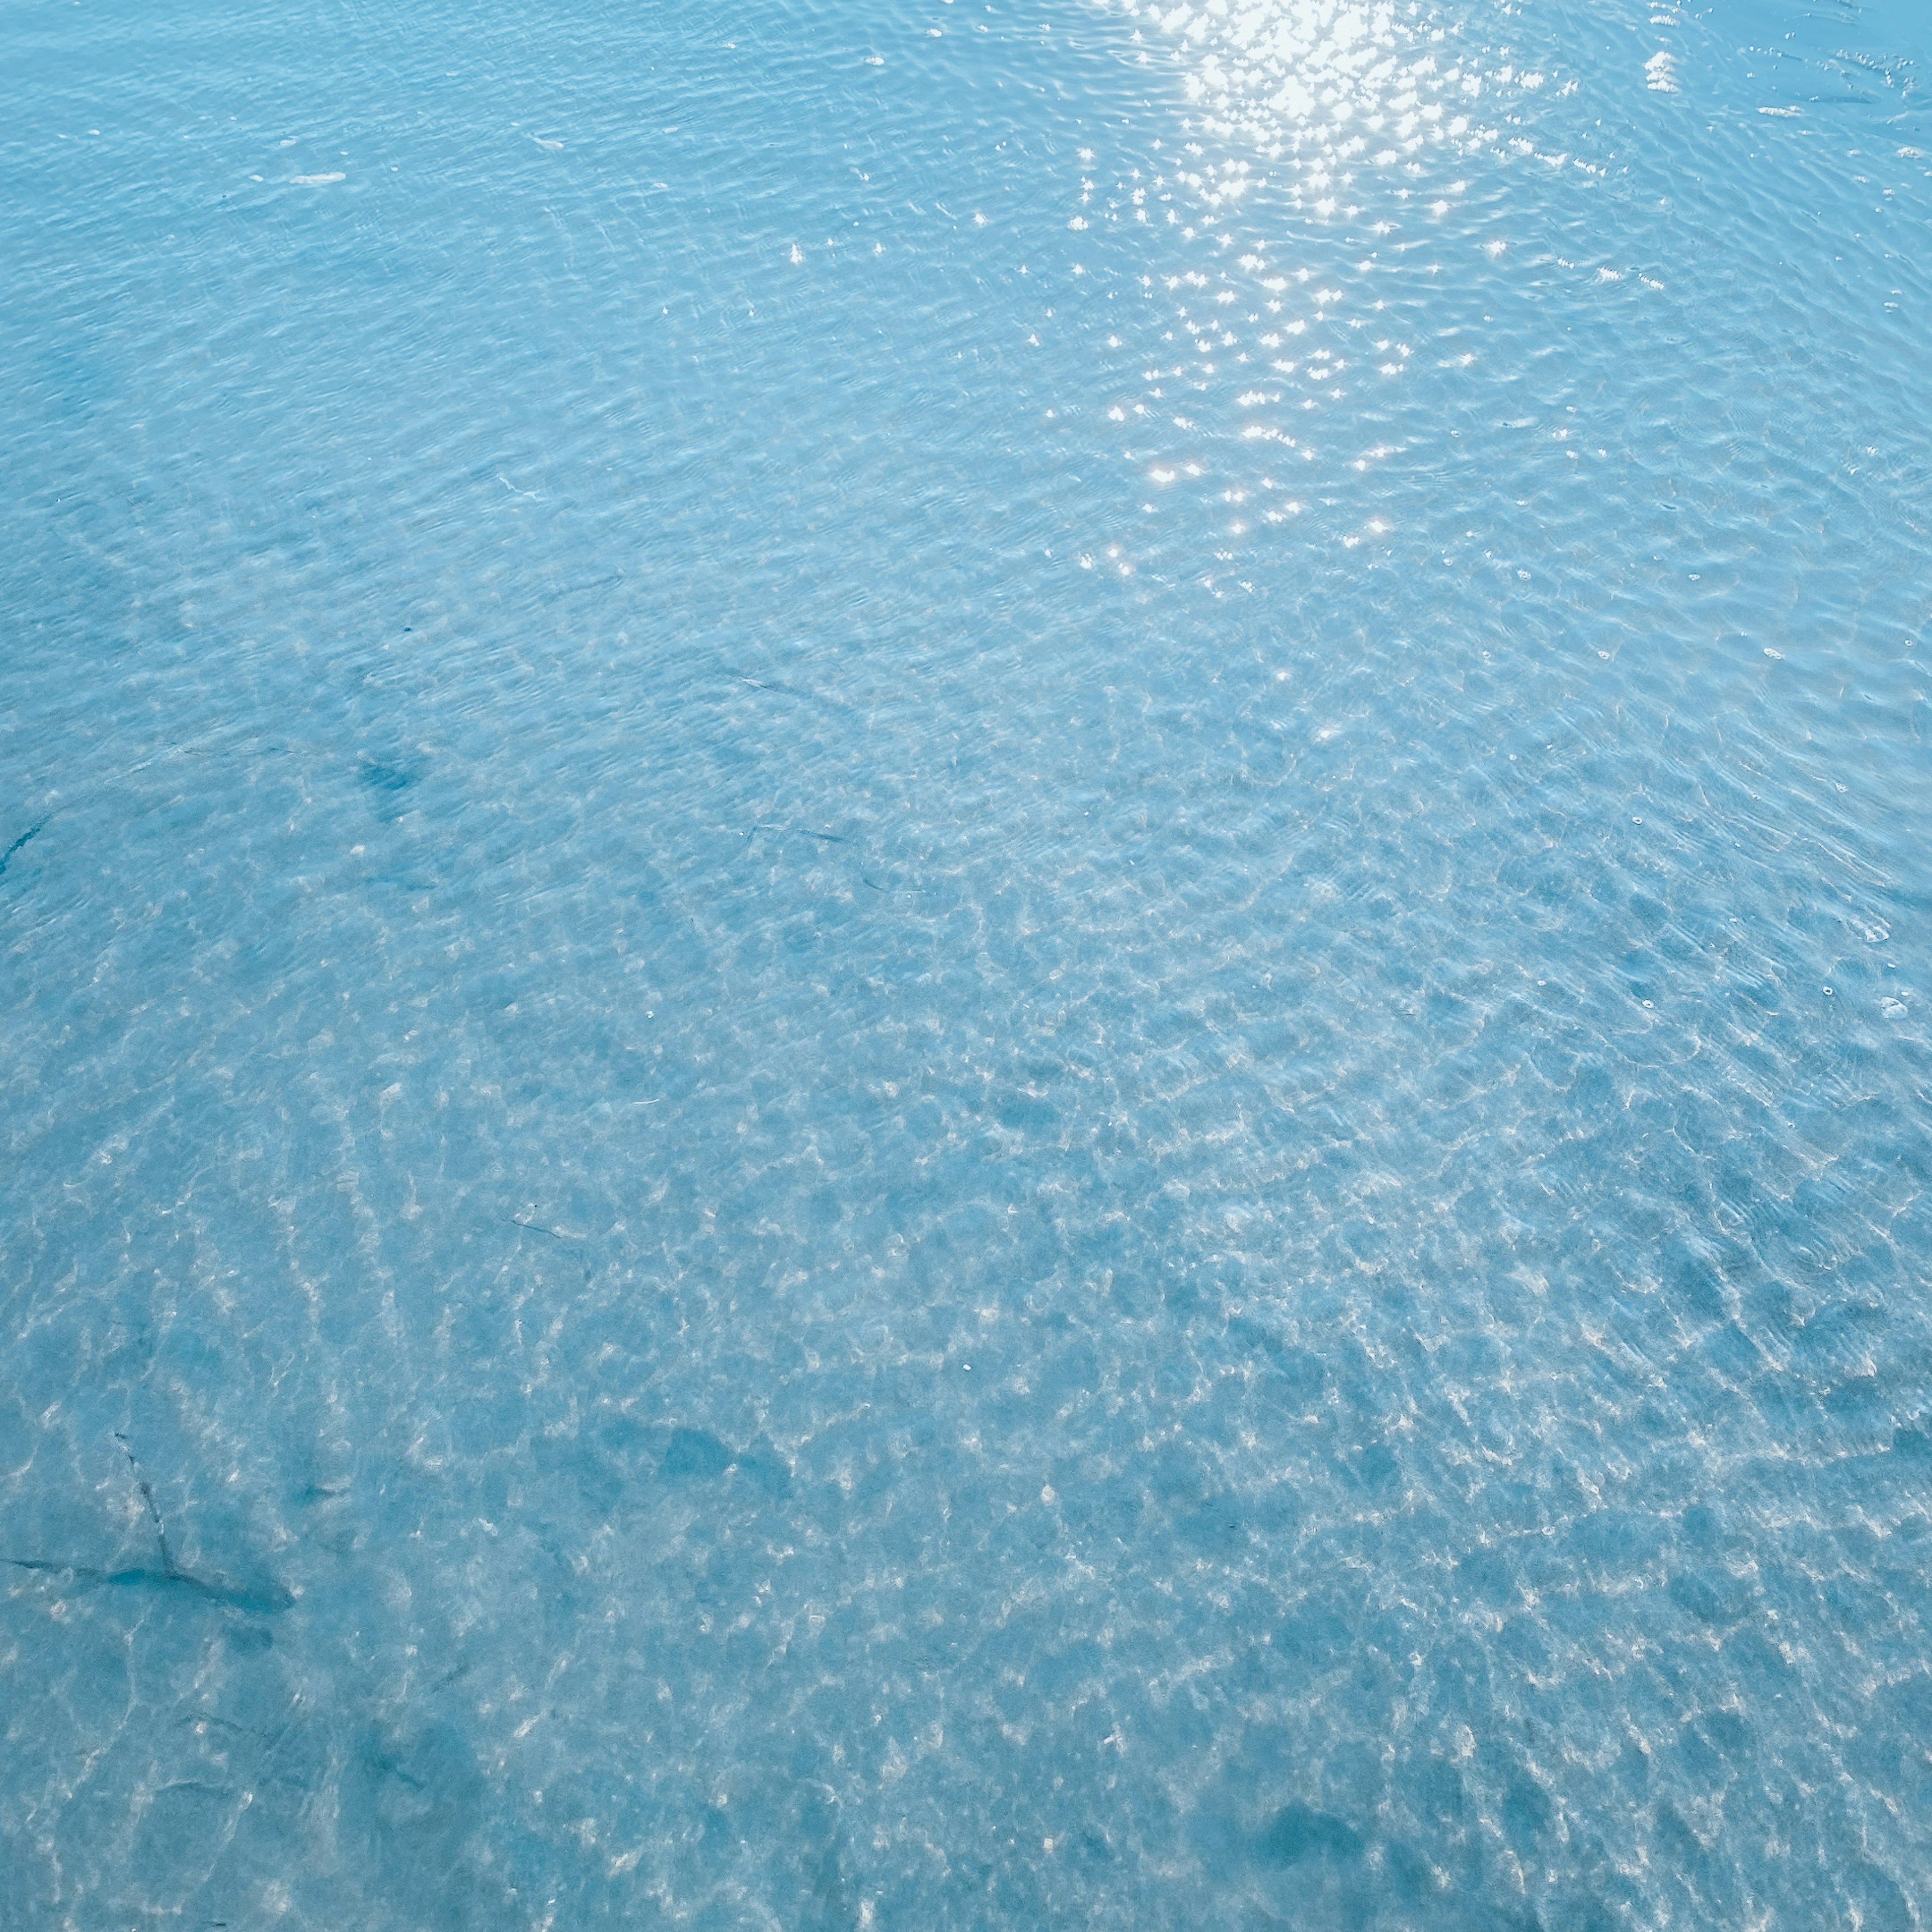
[{"x": 965, "y": 966}]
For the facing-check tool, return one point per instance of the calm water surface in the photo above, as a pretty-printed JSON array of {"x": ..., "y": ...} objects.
[{"x": 965, "y": 965}]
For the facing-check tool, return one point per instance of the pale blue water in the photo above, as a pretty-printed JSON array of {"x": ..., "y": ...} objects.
[{"x": 965, "y": 966}]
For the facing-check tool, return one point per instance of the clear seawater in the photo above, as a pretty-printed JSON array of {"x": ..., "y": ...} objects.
[{"x": 965, "y": 966}]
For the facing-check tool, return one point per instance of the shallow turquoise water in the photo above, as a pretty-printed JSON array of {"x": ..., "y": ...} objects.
[{"x": 966, "y": 965}]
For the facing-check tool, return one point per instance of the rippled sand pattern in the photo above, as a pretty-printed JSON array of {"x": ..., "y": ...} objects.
[{"x": 965, "y": 966}]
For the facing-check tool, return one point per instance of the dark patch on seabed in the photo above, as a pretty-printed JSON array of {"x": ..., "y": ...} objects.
[
  {"x": 265, "y": 1601},
  {"x": 32, "y": 832}
]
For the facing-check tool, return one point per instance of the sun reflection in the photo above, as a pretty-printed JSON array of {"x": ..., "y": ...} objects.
[
  {"x": 1324, "y": 84},
  {"x": 1302, "y": 128}
]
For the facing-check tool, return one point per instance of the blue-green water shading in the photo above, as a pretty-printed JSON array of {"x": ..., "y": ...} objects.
[{"x": 879, "y": 1050}]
